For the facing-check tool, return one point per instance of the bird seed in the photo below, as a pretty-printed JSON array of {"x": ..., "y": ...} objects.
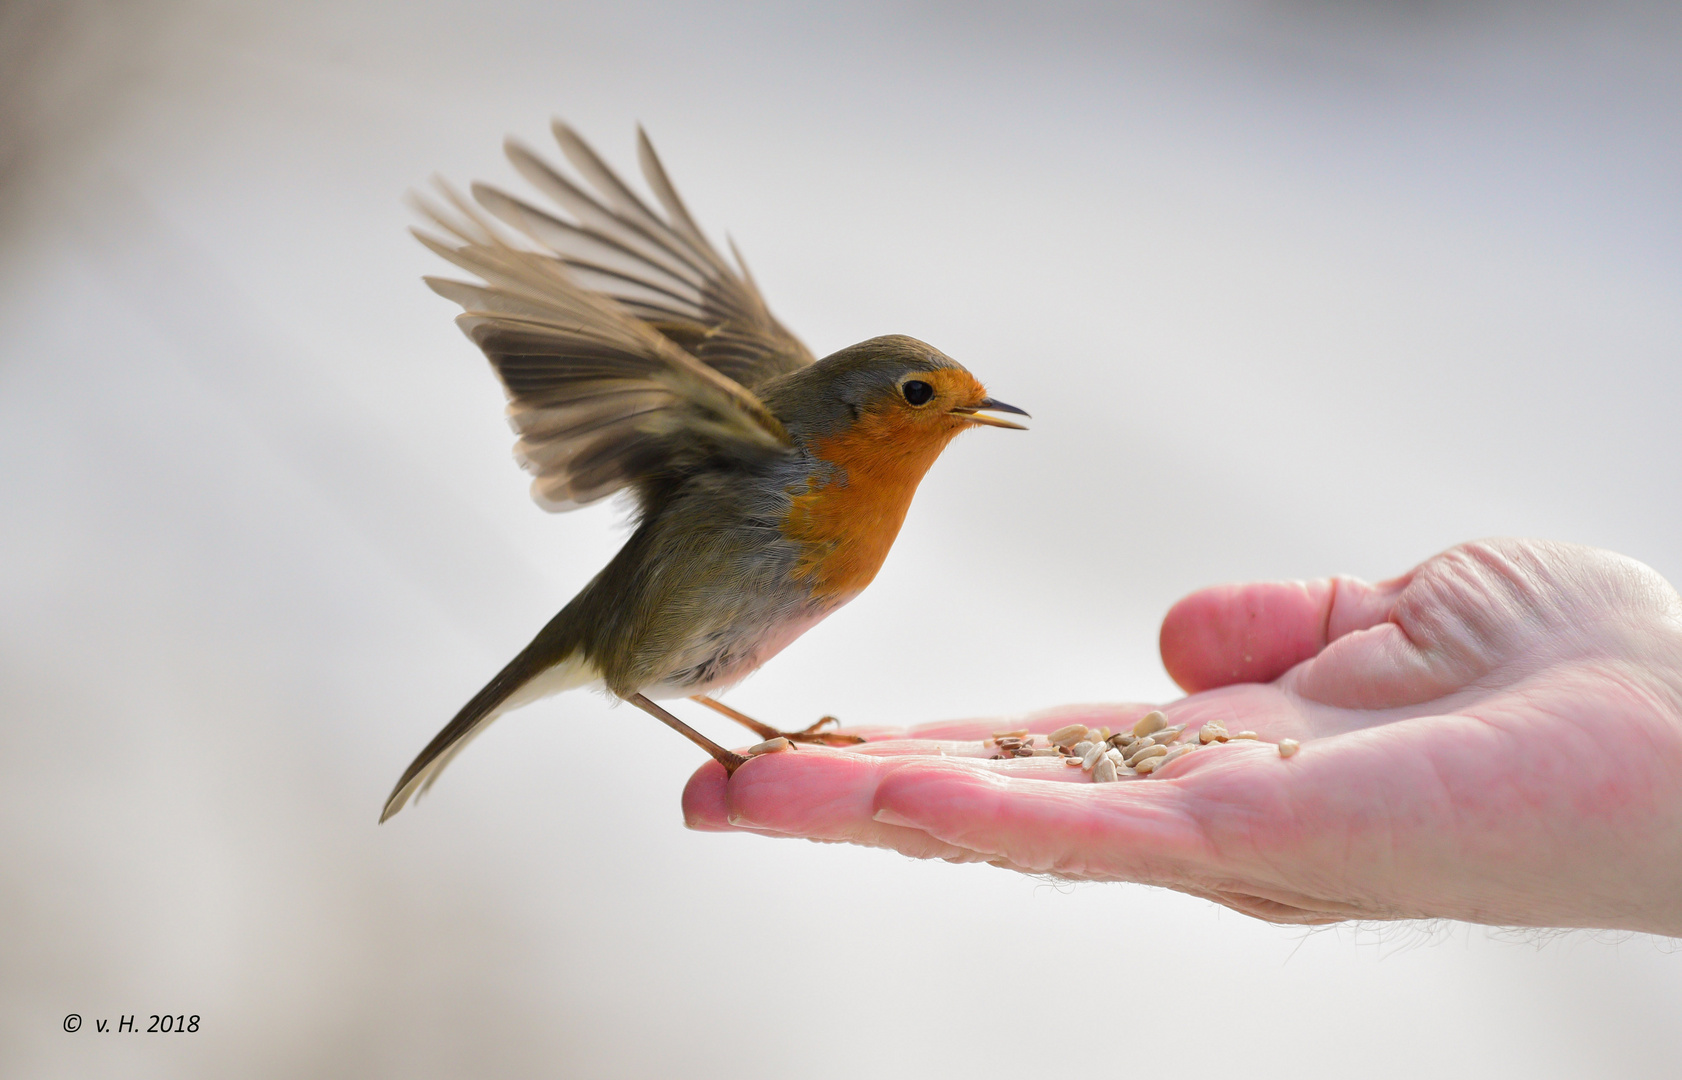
[
  {"x": 1150, "y": 723},
  {"x": 1152, "y": 751},
  {"x": 770, "y": 746},
  {"x": 1246, "y": 735},
  {"x": 1068, "y": 735},
  {"x": 1287, "y": 747},
  {"x": 1106, "y": 756}
]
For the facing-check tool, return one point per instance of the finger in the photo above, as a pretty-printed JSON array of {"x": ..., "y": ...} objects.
[
  {"x": 812, "y": 795},
  {"x": 1255, "y": 633},
  {"x": 961, "y": 809},
  {"x": 809, "y": 806},
  {"x": 1133, "y": 831},
  {"x": 707, "y": 800},
  {"x": 704, "y": 806},
  {"x": 1461, "y": 612},
  {"x": 1381, "y": 667}
]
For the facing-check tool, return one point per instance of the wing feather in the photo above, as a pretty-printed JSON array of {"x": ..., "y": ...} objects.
[
  {"x": 655, "y": 173},
  {"x": 600, "y": 398},
  {"x": 663, "y": 270},
  {"x": 625, "y": 203},
  {"x": 585, "y": 246}
]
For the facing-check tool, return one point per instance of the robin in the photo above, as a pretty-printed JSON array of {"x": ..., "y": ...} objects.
[{"x": 769, "y": 485}]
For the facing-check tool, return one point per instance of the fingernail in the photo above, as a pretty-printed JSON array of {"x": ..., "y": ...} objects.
[{"x": 888, "y": 817}]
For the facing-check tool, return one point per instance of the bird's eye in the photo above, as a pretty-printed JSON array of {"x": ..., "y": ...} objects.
[{"x": 917, "y": 392}]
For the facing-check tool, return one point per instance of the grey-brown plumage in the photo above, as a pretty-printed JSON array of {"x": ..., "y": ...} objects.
[{"x": 637, "y": 359}]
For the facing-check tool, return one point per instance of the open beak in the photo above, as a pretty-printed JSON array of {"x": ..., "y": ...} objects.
[{"x": 974, "y": 414}]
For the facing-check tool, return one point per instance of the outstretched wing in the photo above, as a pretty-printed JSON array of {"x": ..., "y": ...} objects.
[
  {"x": 601, "y": 390},
  {"x": 663, "y": 271}
]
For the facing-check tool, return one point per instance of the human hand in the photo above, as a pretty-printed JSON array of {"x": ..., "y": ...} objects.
[{"x": 1495, "y": 737}]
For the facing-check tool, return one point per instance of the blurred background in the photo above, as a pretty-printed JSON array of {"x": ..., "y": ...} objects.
[{"x": 1291, "y": 288}]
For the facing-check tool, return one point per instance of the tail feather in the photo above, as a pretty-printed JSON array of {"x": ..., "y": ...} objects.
[{"x": 525, "y": 679}]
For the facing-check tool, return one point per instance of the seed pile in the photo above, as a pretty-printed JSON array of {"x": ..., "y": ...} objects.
[
  {"x": 1107, "y": 755},
  {"x": 1110, "y": 756}
]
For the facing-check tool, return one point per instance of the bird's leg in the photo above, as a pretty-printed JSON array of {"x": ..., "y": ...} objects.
[
  {"x": 813, "y": 734},
  {"x": 729, "y": 759}
]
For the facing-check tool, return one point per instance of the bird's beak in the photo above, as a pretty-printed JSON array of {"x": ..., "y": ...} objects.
[{"x": 973, "y": 413}]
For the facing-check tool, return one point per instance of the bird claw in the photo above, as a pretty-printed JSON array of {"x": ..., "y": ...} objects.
[
  {"x": 814, "y": 734},
  {"x": 817, "y": 734}
]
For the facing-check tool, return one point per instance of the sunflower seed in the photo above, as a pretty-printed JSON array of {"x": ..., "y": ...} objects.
[
  {"x": 1067, "y": 735},
  {"x": 1072, "y": 762},
  {"x": 1177, "y": 752},
  {"x": 1017, "y": 734},
  {"x": 1146, "y": 752},
  {"x": 1212, "y": 731},
  {"x": 770, "y": 746},
  {"x": 1287, "y": 747},
  {"x": 1149, "y": 765},
  {"x": 1046, "y": 751},
  {"x": 1246, "y": 735},
  {"x": 1093, "y": 755},
  {"x": 1168, "y": 735},
  {"x": 1112, "y": 754},
  {"x": 1080, "y": 748},
  {"x": 1104, "y": 771},
  {"x": 1152, "y": 721}
]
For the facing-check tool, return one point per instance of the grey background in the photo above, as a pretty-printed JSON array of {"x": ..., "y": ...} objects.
[{"x": 1290, "y": 288}]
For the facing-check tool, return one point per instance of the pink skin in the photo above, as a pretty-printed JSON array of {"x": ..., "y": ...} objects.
[{"x": 1494, "y": 737}]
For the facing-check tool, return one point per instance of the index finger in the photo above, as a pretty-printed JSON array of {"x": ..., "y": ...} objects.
[{"x": 958, "y": 809}]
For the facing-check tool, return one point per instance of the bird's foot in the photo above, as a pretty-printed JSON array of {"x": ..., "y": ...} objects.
[
  {"x": 813, "y": 734},
  {"x": 817, "y": 734}
]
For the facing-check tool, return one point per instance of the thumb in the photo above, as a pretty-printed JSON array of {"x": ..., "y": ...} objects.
[{"x": 1256, "y": 632}]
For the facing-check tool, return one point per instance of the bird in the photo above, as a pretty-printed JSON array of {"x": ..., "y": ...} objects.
[{"x": 767, "y": 485}]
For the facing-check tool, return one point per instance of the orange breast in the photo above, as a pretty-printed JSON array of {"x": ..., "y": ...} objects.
[{"x": 849, "y": 521}]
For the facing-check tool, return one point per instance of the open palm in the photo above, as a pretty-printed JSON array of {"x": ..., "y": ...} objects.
[{"x": 1496, "y": 736}]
